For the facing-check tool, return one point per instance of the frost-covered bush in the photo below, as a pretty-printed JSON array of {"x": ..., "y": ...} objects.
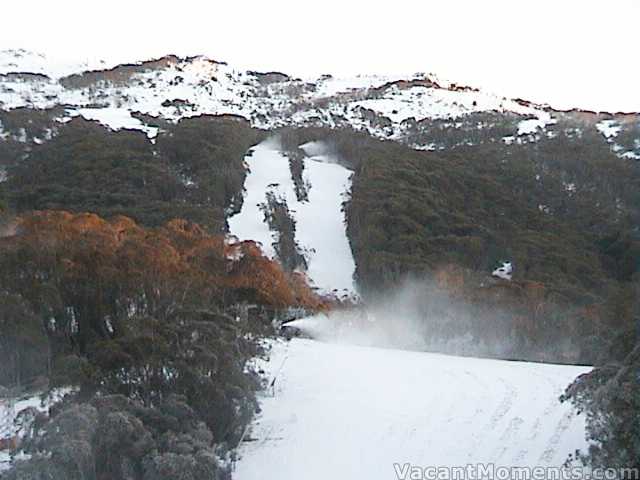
[
  {"x": 116, "y": 438},
  {"x": 609, "y": 396}
]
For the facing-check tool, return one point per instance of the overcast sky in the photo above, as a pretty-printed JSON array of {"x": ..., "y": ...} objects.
[{"x": 565, "y": 52}]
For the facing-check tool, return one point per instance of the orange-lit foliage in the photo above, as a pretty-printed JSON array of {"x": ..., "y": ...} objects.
[
  {"x": 305, "y": 296},
  {"x": 451, "y": 278},
  {"x": 265, "y": 281},
  {"x": 534, "y": 294},
  {"x": 540, "y": 322},
  {"x": 104, "y": 271}
]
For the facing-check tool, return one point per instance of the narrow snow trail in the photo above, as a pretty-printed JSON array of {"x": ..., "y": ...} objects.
[
  {"x": 267, "y": 166},
  {"x": 342, "y": 412},
  {"x": 320, "y": 225}
]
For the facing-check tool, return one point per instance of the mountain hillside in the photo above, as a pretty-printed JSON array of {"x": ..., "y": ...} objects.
[
  {"x": 413, "y": 110},
  {"x": 443, "y": 175},
  {"x": 161, "y": 221}
]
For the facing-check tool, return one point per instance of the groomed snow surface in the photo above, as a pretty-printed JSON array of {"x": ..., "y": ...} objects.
[
  {"x": 339, "y": 411},
  {"x": 320, "y": 225}
]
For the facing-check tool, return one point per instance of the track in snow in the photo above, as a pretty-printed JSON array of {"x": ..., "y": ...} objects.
[{"x": 348, "y": 412}]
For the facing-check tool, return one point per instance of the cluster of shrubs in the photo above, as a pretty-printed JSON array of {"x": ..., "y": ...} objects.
[
  {"x": 114, "y": 437},
  {"x": 609, "y": 396}
]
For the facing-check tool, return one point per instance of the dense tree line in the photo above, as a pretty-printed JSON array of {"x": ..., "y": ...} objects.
[
  {"x": 194, "y": 171},
  {"x": 209, "y": 152},
  {"x": 144, "y": 314}
]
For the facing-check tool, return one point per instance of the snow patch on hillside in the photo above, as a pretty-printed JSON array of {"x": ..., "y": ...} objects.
[
  {"x": 609, "y": 128},
  {"x": 630, "y": 155},
  {"x": 343, "y": 411},
  {"x": 115, "y": 119},
  {"x": 196, "y": 86},
  {"x": 428, "y": 102},
  {"x": 266, "y": 167},
  {"x": 12, "y": 408},
  {"x": 25, "y": 61},
  {"x": 532, "y": 125}
]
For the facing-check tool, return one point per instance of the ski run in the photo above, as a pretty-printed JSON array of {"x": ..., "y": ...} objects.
[{"x": 349, "y": 412}]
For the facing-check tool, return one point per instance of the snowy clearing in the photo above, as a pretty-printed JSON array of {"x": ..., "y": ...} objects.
[
  {"x": 343, "y": 412},
  {"x": 10, "y": 410}
]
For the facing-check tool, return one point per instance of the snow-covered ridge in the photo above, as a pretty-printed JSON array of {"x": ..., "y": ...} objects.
[
  {"x": 172, "y": 88},
  {"x": 197, "y": 85},
  {"x": 25, "y": 61}
]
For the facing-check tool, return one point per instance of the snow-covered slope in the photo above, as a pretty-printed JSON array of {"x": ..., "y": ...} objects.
[
  {"x": 611, "y": 130},
  {"x": 173, "y": 88},
  {"x": 25, "y": 61},
  {"x": 344, "y": 412},
  {"x": 320, "y": 226}
]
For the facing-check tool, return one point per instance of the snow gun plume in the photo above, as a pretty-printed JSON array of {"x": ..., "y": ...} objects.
[{"x": 417, "y": 316}]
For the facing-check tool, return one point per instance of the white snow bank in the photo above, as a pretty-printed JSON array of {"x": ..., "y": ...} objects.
[
  {"x": 320, "y": 224},
  {"x": 25, "y": 61},
  {"x": 10, "y": 410},
  {"x": 115, "y": 119},
  {"x": 531, "y": 125},
  {"x": 528, "y": 127},
  {"x": 631, "y": 155},
  {"x": 609, "y": 128},
  {"x": 344, "y": 412},
  {"x": 505, "y": 271}
]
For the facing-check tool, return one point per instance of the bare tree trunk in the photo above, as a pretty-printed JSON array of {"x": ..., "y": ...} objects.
[
  {"x": 635, "y": 308},
  {"x": 17, "y": 369}
]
